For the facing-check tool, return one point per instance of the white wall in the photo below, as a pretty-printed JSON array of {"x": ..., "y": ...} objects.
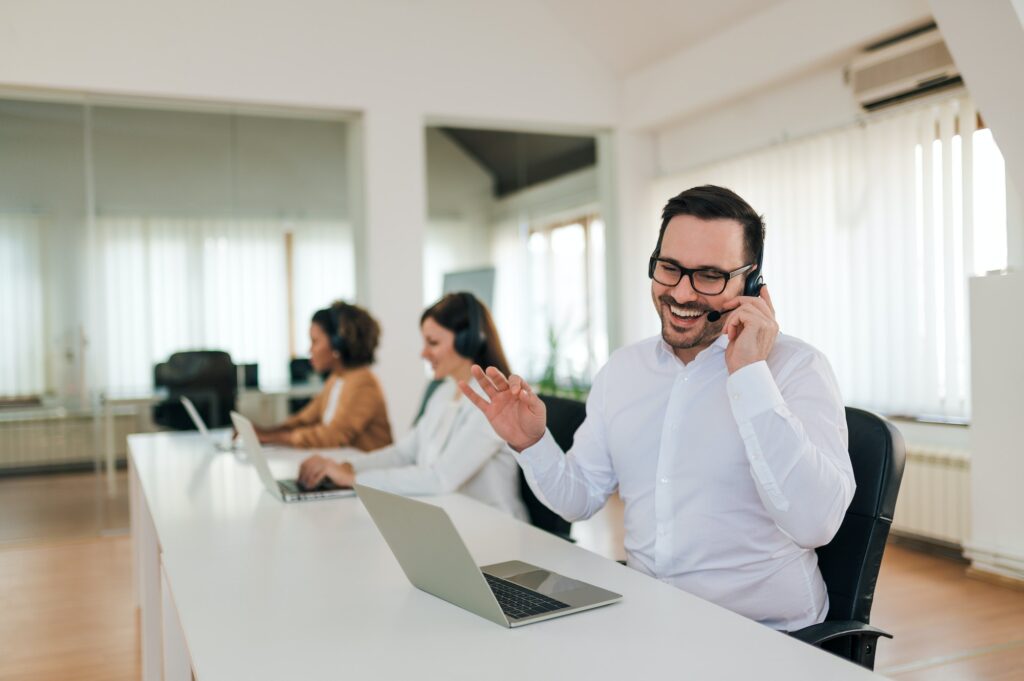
[
  {"x": 766, "y": 49},
  {"x": 460, "y": 199},
  {"x": 986, "y": 40},
  {"x": 807, "y": 104},
  {"x": 997, "y": 464}
]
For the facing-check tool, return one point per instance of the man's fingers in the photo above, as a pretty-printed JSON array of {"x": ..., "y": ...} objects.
[
  {"x": 497, "y": 378},
  {"x": 473, "y": 396},
  {"x": 484, "y": 381}
]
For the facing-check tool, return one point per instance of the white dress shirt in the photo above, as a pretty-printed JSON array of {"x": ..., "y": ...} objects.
[
  {"x": 451, "y": 448},
  {"x": 729, "y": 482}
]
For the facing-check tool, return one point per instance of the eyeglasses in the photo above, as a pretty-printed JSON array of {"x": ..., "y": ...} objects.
[{"x": 710, "y": 282}]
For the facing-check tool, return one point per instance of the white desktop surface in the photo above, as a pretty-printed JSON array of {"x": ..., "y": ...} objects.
[{"x": 310, "y": 590}]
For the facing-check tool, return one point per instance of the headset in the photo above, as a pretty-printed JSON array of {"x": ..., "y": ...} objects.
[
  {"x": 470, "y": 340},
  {"x": 337, "y": 341},
  {"x": 754, "y": 281}
]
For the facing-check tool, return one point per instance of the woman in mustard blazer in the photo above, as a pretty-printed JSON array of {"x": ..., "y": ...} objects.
[{"x": 350, "y": 410}]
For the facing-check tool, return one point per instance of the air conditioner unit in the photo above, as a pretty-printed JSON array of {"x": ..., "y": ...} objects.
[{"x": 911, "y": 65}]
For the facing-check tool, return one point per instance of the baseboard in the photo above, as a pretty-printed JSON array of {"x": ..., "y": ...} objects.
[
  {"x": 933, "y": 547},
  {"x": 57, "y": 468},
  {"x": 997, "y": 562},
  {"x": 996, "y": 578}
]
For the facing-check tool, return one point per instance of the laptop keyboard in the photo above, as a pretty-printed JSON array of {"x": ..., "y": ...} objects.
[{"x": 518, "y": 602}]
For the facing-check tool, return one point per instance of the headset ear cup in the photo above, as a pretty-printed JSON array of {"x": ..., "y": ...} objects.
[
  {"x": 754, "y": 281},
  {"x": 470, "y": 340}
]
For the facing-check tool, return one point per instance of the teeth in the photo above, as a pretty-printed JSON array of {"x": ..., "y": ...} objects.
[{"x": 683, "y": 312}]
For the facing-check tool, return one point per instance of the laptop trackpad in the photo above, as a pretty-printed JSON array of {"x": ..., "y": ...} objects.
[{"x": 546, "y": 582}]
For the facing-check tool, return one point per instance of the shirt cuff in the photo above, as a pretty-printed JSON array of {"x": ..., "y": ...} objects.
[
  {"x": 752, "y": 391},
  {"x": 540, "y": 455}
]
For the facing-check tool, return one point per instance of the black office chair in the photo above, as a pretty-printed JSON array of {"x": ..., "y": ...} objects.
[
  {"x": 207, "y": 377},
  {"x": 564, "y": 417},
  {"x": 850, "y": 562}
]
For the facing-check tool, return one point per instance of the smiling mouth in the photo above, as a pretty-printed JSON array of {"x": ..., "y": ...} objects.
[{"x": 684, "y": 316}]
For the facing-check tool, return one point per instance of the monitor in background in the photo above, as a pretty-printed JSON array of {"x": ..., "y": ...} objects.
[{"x": 479, "y": 282}]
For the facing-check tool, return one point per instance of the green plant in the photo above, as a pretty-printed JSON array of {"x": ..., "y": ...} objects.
[{"x": 574, "y": 388}]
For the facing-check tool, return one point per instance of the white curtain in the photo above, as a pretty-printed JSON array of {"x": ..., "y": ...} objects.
[
  {"x": 872, "y": 232},
  {"x": 166, "y": 284},
  {"x": 22, "y": 340},
  {"x": 323, "y": 271}
]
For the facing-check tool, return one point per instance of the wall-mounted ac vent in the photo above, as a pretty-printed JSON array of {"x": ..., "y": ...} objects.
[{"x": 911, "y": 65}]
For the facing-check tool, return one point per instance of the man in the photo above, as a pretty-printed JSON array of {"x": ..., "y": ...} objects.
[{"x": 725, "y": 439}]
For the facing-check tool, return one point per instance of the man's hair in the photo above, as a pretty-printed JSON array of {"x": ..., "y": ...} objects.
[
  {"x": 716, "y": 203},
  {"x": 359, "y": 332}
]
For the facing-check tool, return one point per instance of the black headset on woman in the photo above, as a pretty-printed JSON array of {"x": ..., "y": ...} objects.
[
  {"x": 470, "y": 340},
  {"x": 336, "y": 339}
]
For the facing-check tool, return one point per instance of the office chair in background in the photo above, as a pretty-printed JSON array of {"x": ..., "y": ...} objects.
[
  {"x": 850, "y": 562},
  {"x": 207, "y": 377},
  {"x": 564, "y": 417}
]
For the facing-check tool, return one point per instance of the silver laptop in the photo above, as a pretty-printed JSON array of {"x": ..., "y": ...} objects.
[
  {"x": 285, "y": 490},
  {"x": 197, "y": 420},
  {"x": 435, "y": 559}
]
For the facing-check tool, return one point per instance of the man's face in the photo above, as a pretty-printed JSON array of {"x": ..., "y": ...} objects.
[{"x": 696, "y": 244}]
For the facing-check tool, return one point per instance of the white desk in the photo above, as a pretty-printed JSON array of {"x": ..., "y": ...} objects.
[
  {"x": 266, "y": 404},
  {"x": 235, "y": 585}
]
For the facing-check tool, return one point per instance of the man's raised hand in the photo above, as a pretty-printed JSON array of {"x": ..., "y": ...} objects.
[{"x": 515, "y": 412}]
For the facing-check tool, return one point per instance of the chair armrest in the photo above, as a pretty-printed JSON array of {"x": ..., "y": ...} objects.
[{"x": 816, "y": 634}]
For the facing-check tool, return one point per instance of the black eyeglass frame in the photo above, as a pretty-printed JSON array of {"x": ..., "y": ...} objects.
[{"x": 687, "y": 272}]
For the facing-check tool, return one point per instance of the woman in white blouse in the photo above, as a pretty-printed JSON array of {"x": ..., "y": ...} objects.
[{"x": 452, "y": 447}]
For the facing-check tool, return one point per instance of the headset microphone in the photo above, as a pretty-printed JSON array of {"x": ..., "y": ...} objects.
[{"x": 714, "y": 316}]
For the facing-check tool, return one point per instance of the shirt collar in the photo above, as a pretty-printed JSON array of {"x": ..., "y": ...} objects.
[{"x": 666, "y": 353}]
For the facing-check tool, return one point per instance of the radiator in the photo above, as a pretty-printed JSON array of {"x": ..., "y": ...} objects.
[
  {"x": 57, "y": 438},
  {"x": 935, "y": 498}
]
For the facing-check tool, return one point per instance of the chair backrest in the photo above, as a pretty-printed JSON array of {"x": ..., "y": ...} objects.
[
  {"x": 207, "y": 377},
  {"x": 564, "y": 417},
  {"x": 849, "y": 563}
]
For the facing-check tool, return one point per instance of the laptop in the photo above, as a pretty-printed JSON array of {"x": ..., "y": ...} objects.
[
  {"x": 285, "y": 490},
  {"x": 200, "y": 424},
  {"x": 436, "y": 560}
]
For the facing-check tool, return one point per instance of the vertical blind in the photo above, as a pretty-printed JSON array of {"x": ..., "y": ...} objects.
[
  {"x": 166, "y": 285},
  {"x": 22, "y": 338},
  {"x": 872, "y": 233}
]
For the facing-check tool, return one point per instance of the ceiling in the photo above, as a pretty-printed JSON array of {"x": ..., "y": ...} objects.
[
  {"x": 517, "y": 160},
  {"x": 628, "y": 36}
]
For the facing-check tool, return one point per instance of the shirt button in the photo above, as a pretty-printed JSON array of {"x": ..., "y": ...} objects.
[
  {"x": 735, "y": 396},
  {"x": 664, "y": 480}
]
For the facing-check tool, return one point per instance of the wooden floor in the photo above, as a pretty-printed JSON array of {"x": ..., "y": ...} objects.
[
  {"x": 66, "y": 610},
  {"x": 64, "y": 506}
]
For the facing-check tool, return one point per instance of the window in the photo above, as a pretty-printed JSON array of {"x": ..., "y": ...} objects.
[
  {"x": 568, "y": 339},
  {"x": 872, "y": 233}
]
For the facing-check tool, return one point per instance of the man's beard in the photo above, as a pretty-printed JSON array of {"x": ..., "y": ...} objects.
[{"x": 706, "y": 334}]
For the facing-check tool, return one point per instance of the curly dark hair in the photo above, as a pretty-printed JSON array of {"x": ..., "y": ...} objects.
[{"x": 353, "y": 332}]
